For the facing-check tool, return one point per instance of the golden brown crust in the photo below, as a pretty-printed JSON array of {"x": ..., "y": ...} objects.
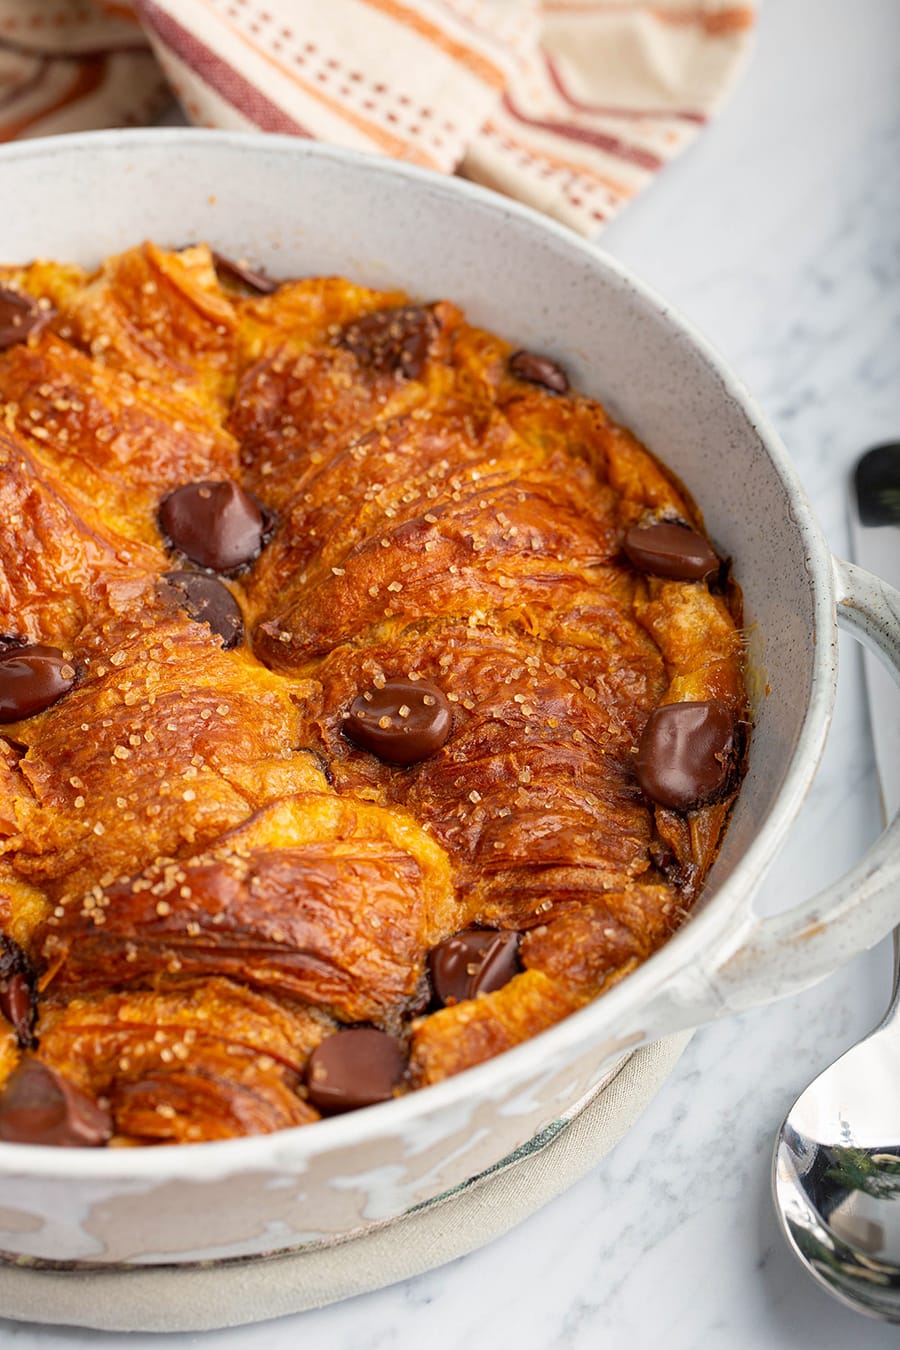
[
  {"x": 9, "y": 1050},
  {"x": 208, "y": 1061},
  {"x": 116, "y": 439},
  {"x": 165, "y": 742},
  {"x": 326, "y": 901},
  {"x": 583, "y": 947},
  {"x": 59, "y": 563},
  {"x": 208, "y": 876},
  {"x": 471, "y": 1032},
  {"x": 163, "y": 318}
]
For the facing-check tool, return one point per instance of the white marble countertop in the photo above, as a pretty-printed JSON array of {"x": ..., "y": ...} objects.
[{"x": 778, "y": 233}]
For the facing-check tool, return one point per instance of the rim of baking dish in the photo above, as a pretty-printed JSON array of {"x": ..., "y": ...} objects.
[{"x": 695, "y": 941}]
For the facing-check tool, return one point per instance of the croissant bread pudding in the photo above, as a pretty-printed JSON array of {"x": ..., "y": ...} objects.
[{"x": 369, "y": 700}]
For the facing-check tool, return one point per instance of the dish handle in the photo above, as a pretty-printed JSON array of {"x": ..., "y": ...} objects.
[{"x": 784, "y": 954}]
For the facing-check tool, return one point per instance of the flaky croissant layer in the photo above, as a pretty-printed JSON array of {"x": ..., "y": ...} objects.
[{"x": 369, "y": 700}]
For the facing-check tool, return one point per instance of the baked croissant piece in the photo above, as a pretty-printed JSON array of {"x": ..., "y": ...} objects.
[{"x": 369, "y": 700}]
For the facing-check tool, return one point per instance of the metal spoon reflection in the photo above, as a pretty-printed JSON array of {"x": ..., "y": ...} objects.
[{"x": 837, "y": 1171}]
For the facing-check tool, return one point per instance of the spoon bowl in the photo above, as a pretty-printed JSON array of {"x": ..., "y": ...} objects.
[{"x": 836, "y": 1171}]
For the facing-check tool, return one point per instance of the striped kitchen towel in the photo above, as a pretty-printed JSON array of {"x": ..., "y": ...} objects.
[{"x": 569, "y": 105}]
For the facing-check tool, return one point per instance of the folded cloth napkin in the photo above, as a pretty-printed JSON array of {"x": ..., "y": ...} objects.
[{"x": 569, "y": 105}]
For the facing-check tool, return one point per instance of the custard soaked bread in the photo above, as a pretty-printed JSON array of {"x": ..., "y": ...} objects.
[{"x": 370, "y": 701}]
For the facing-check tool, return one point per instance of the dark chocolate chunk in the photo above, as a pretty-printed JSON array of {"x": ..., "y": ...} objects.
[
  {"x": 207, "y": 600},
  {"x": 20, "y": 316},
  {"x": 669, "y": 550},
  {"x": 352, "y": 1069},
  {"x": 32, "y": 678},
  {"x": 39, "y": 1106},
  {"x": 240, "y": 274},
  {"x": 539, "y": 370},
  {"x": 687, "y": 754},
  {"x": 401, "y": 723},
  {"x": 17, "y": 990},
  {"x": 391, "y": 341},
  {"x": 474, "y": 962},
  {"x": 215, "y": 524}
]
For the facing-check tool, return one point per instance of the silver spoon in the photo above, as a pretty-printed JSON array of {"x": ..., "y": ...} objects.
[{"x": 836, "y": 1169}]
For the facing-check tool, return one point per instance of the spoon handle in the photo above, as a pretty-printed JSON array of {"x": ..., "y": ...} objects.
[
  {"x": 892, "y": 1014},
  {"x": 875, "y": 534}
]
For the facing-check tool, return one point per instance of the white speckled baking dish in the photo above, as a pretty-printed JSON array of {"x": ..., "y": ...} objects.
[{"x": 297, "y": 208}]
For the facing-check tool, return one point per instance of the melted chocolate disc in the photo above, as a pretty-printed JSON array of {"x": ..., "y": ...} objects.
[
  {"x": 17, "y": 990},
  {"x": 20, "y": 316},
  {"x": 207, "y": 600},
  {"x": 539, "y": 370},
  {"x": 39, "y": 1106},
  {"x": 352, "y": 1069},
  {"x": 687, "y": 754},
  {"x": 471, "y": 963},
  {"x": 392, "y": 341},
  {"x": 240, "y": 274},
  {"x": 32, "y": 678},
  {"x": 215, "y": 524},
  {"x": 402, "y": 723},
  {"x": 669, "y": 550}
]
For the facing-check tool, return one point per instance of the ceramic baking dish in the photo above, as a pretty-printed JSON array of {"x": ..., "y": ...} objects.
[{"x": 295, "y": 209}]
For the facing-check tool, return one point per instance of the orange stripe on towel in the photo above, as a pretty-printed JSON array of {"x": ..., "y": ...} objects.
[
  {"x": 211, "y": 70},
  {"x": 120, "y": 11},
  {"x": 87, "y": 77},
  {"x": 473, "y": 61},
  {"x": 735, "y": 19},
  {"x": 600, "y": 140},
  {"x": 391, "y": 145},
  {"x": 622, "y": 190}
]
